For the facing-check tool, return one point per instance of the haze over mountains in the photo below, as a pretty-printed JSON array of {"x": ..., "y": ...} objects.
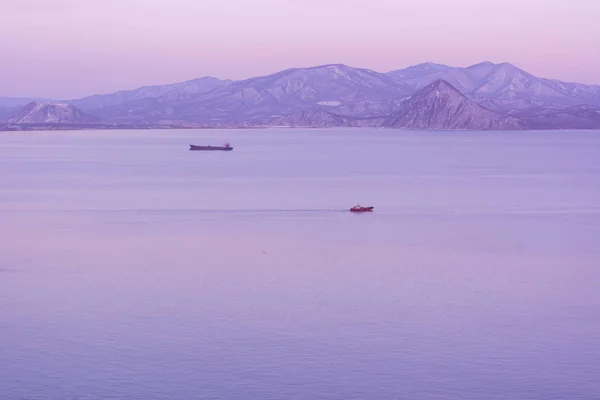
[{"x": 425, "y": 96}]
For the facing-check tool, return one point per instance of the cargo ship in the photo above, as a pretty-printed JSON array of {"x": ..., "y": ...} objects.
[{"x": 225, "y": 147}]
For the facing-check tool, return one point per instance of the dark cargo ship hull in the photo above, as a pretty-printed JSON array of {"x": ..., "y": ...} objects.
[{"x": 225, "y": 148}]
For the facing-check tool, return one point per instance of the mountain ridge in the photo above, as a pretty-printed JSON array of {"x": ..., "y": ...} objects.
[
  {"x": 437, "y": 106},
  {"x": 345, "y": 95},
  {"x": 505, "y": 87}
]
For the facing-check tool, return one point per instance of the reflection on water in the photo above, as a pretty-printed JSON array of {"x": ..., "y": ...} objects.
[{"x": 132, "y": 268}]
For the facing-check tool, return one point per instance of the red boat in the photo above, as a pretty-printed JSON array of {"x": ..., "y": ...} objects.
[{"x": 359, "y": 208}]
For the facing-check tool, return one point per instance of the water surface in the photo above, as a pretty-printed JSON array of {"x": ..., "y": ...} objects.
[{"x": 132, "y": 268}]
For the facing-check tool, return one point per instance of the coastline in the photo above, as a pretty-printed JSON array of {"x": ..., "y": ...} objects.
[{"x": 78, "y": 127}]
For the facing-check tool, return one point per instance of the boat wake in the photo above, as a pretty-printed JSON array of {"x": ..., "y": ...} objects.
[{"x": 183, "y": 211}]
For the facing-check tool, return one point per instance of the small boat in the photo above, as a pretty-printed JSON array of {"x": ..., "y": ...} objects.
[
  {"x": 225, "y": 147},
  {"x": 359, "y": 208}
]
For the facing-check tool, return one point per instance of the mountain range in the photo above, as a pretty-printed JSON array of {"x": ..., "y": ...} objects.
[{"x": 425, "y": 96}]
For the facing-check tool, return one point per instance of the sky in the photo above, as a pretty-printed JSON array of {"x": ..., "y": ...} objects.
[{"x": 64, "y": 49}]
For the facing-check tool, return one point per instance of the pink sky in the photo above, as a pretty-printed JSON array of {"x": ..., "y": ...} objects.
[{"x": 71, "y": 48}]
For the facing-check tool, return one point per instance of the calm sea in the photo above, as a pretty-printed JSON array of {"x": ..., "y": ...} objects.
[{"x": 132, "y": 268}]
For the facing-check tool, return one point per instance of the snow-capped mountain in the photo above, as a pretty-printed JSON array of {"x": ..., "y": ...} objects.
[
  {"x": 504, "y": 87},
  {"x": 421, "y": 75},
  {"x": 337, "y": 89},
  {"x": 441, "y": 106},
  {"x": 51, "y": 113},
  {"x": 418, "y": 71},
  {"x": 339, "y": 94},
  {"x": 172, "y": 91},
  {"x": 263, "y": 99},
  {"x": 436, "y": 106}
]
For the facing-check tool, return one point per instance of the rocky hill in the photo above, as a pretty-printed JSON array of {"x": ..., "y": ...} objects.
[
  {"x": 51, "y": 113},
  {"x": 441, "y": 106}
]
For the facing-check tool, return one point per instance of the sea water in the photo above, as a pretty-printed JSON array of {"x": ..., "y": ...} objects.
[{"x": 132, "y": 268}]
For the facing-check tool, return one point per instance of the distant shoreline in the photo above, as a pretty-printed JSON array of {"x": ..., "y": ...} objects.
[
  {"x": 72, "y": 127},
  {"x": 100, "y": 127}
]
